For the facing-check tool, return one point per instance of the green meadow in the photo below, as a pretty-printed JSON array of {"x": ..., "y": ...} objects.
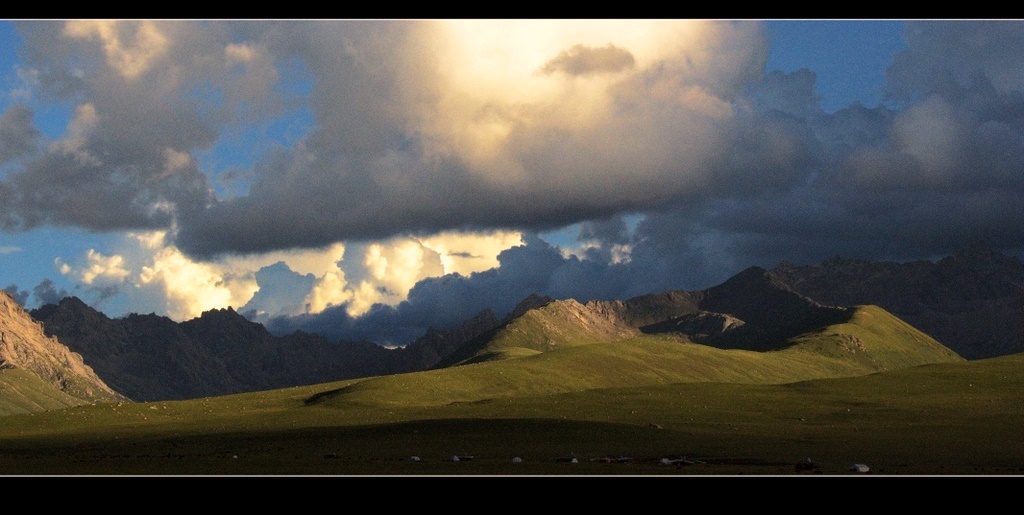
[{"x": 870, "y": 390}]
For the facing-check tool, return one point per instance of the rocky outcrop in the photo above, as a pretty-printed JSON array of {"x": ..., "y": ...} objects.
[
  {"x": 701, "y": 326},
  {"x": 25, "y": 346},
  {"x": 150, "y": 357}
]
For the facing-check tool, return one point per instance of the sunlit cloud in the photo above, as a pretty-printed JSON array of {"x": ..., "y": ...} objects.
[{"x": 130, "y": 47}]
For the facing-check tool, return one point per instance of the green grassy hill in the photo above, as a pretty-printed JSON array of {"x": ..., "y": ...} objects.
[
  {"x": 871, "y": 340},
  {"x": 22, "y": 391}
]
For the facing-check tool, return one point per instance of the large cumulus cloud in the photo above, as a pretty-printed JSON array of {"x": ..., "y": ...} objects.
[{"x": 417, "y": 132}]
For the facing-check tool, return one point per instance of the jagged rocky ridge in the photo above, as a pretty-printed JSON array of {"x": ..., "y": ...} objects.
[
  {"x": 150, "y": 357},
  {"x": 970, "y": 301}
]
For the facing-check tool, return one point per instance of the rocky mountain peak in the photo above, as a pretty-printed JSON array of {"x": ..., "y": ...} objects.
[
  {"x": 532, "y": 301},
  {"x": 24, "y": 345}
]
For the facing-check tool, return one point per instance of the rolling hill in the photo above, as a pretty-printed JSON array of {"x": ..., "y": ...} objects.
[
  {"x": 946, "y": 418},
  {"x": 704, "y": 374},
  {"x": 562, "y": 347}
]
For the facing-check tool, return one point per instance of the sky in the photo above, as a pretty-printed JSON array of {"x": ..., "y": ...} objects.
[{"x": 368, "y": 179}]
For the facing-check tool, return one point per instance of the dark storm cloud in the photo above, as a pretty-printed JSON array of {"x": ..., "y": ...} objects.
[
  {"x": 17, "y": 134},
  {"x": 103, "y": 293},
  {"x": 955, "y": 54},
  {"x": 919, "y": 178},
  {"x": 584, "y": 60}
]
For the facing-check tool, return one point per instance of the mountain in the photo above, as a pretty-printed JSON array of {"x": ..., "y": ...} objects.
[
  {"x": 150, "y": 357},
  {"x": 752, "y": 311},
  {"x": 971, "y": 301},
  {"x": 565, "y": 346},
  {"x": 973, "y": 294},
  {"x": 37, "y": 372}
]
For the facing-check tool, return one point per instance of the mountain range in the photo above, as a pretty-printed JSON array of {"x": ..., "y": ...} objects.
[{"x": 968, "y": 304}]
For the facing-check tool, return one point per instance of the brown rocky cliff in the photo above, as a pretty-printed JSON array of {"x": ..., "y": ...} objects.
[{"x": 24, "y": 345}]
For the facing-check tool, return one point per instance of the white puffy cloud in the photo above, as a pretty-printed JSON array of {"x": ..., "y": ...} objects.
[
  {"x": 465, "y": 253},
  {"x": 97, "y": 269},
  {"x": 152, "y": 274},
  {"x": 391, "y": 268},
  {"x": 190, "y": 287},
  {"x": 329, "y": 290}
]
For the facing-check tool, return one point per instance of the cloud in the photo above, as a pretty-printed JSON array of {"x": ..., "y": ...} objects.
[
  {"x": 436, "y": 144},
  {"x": 445, "y": 301},
  {"x": 47, "y": 293},
  {"x": 97, "y": 269},
  {"x": 146, "y": 272},
  {"x": 408, "y": 143},
  {"x": 192, "y": 287},
  {"x": 129, "y": 48},
  {"x": 9, "y": 249},
  {"x": 918, "y": 179},
  {"x": 281, "y": 292},
  {"x": 465, "y": 253},
  {"x": 584, "y": 60},
  {"x": 19, "y": 296},
  {"x": 944, "y": 55},
  {"x": 374, "y": 273},
  {"x": 17, "y": 134},
  {"x": 329, "y": 290},
  {"x": 148, "y": 95}
]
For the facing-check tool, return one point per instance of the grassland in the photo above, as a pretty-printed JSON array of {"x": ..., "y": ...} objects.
[
  {"x": 24, "y": 392},
  {"x": 645, "y": 398}
]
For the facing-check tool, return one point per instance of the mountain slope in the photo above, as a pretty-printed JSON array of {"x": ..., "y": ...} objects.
[
  {"x": 974, "y": 296},
  {"x": 751, "y": 311},
  {"x": 870, "y": 340},
  {"x": 51, "y": 375},
  {"x": 970, "y": 301},
  {"x": 150, "y": 357}
]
